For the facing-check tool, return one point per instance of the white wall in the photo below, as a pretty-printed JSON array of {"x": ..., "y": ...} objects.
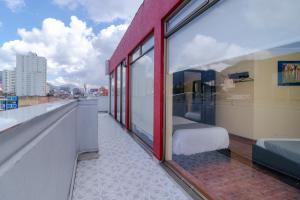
[
  {"x": 87, "y": 125},
  {"x": 39, "y": 166},
  {"x": 103, "y": 103}
]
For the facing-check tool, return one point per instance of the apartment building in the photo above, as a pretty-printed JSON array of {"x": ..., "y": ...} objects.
[
  {"x": 31, "y": 75},
  {"x": 9, "y": 81}
]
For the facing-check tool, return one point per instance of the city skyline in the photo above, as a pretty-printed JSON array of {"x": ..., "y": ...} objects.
[{"x": 74, "y": 38}]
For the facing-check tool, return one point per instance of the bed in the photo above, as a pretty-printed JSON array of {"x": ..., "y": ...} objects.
[
  {"x": 191, "y": 137},
  {"x": 281, "y": 155}
]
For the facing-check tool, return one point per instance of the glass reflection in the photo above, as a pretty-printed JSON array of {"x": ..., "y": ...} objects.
[
  {"x": 255, "y": 27},
  {"x": 123, "y": 93},
  {"x": 119, "y": 76},
  {"x": 142, "y": 90},
  {"x": 235, "y": 100},
  {"x": 112, "y": 94},
  {"x": 239, "y": 118}
]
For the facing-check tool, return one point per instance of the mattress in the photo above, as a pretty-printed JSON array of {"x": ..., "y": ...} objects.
[
  {"x": 196, "y": 116},
  {"x": 190, "y": 138},
  {"x": 181, "y": 120},
  {"x": 288, "y": 148}
]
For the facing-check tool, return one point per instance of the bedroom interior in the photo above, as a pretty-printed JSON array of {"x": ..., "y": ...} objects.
[{"x": 245, "y": 114}]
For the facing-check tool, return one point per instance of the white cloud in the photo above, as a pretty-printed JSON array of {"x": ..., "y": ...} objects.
[
  {"x": 1, "y": 24},
  {"x": 104, "y": 10},
  {"x": 205, "y": 49},
  {"x": 260, "y": 14},
  {"x": 58, "y": 81},
  {"x": 75, "y": 54},
  {"x": 15, "y": 5}
]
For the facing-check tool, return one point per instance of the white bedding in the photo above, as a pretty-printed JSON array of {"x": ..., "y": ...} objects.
[{"x": 192, "y": 141}]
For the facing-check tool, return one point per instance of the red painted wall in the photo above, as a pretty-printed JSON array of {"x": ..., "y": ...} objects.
[{"x": 149, "y": 18}]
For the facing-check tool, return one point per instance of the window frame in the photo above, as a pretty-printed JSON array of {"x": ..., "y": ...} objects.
[
  {"x": 183, "y": 13},
  {"x": 195, "y": 13},
  {"x": 148, "y": 147},
  {"x": 119, "y": 92},
  {"x": 140, "y": 49},
  {"x": 123, "y": 69},
  {"x": 111, "y": 93}
]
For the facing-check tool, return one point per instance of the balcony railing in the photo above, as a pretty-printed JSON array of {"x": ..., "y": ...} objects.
[{"x": 39, "y": 146}]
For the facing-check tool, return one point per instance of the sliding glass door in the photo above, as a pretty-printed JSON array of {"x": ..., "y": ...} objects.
[
  {"x": 233, "y": 98},
  {"x": 119, "y": 91},
  {"x": 123, "y": 117},
  {"x": 142, "y": 92}
]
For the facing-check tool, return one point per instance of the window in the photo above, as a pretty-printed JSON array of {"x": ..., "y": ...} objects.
[
  {"x": 136, "y": 54},
  {"x": 233, "y": 99},
  {"x": 119, "y": 95},
  {"x": 142, "y": 91},
  {"x": 112, "y": 94},
  {"x": 144, "y": 48},
  {"x": 123, "y": 92},
  {"x": 187, "y": 10},
  {"x": 149, "y": 44}
]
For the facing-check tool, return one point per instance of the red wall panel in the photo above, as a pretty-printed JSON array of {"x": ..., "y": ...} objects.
[{"x": 149, "y": 18}]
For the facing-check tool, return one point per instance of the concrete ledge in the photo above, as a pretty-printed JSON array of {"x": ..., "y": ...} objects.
[{"x": 38, "y": 157}]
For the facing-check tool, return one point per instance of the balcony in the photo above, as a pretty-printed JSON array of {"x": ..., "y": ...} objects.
[{"x": 69, "y": 150}]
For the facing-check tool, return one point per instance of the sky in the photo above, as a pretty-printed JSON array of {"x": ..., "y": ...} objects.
[{"x": 75, "y": 36}]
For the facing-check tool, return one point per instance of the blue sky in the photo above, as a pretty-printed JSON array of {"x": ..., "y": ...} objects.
[
  {"x": 32, "y": 15},
  {"x": 46, "y": 27},
  {"x": 34, "y": 12}
]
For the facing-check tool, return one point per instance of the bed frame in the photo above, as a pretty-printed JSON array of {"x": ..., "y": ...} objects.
[{"x": 277, "y": 163}]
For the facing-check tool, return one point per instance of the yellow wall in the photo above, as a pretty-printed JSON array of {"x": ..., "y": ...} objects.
[
  {"x": 261, "y": 108},
  {"x": 276, "y": 108},
  {"x": 234, "y": 107}
]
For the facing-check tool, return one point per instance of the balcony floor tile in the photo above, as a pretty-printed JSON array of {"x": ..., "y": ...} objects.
[{"x": 123, "y": 170}]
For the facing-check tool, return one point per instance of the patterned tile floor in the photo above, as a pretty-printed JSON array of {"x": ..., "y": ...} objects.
[{"x": 123, "y": 171}]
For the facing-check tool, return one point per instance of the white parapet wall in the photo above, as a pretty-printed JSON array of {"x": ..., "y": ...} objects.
[
  {"x": 39, "y": 146},
  {"x": 103, "y": 103}
]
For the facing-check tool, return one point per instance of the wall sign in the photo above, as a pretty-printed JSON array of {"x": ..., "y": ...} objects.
[{"x": 9, "y": 102}]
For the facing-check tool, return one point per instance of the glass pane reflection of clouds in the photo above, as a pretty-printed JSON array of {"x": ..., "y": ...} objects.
[
  {"x": 233, "y": 99},
  {"x": 243, "y": 28},
  {"x": 142, "y": 77}
]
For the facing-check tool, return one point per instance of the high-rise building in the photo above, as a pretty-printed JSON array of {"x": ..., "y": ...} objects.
[
  {"x": 9, "y": 81},
  {"x": 31, "y": 75}
]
